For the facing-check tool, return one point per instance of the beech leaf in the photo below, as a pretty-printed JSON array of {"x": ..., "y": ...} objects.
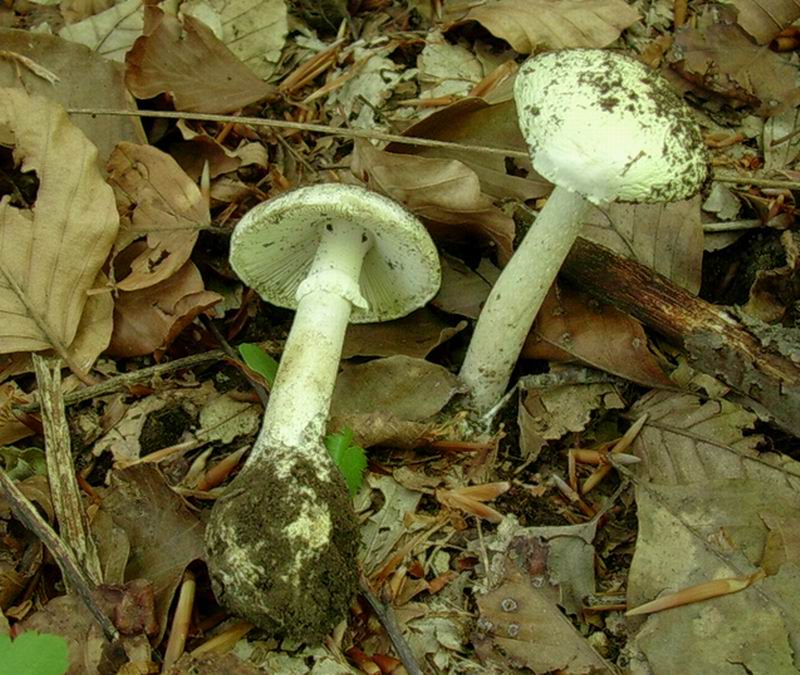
[
  {"x": 51, "y": 252},
  {"x": 528, "y": 25}
]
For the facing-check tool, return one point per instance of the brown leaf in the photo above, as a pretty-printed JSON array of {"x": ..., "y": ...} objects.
[
  {"x": 474, "y": 121},
  {"x": 524, "y": 627},
  {"x": 164, "y": 535},
  {"x": 718, "y": 56},
  {"x": 186, "y": 61},
  {"x": 85, "y": 80},
  {"x": 528, "y": 25},
  {"x": 414, "y": 335},
  {"x": 151, "y": 318},
  {"x": 159, "y": 201},
  {"x": 666, "y": 237},
  {"x": 212, "y": 663},
  {"x": 68, "y": 617},
  {"x": 446, "y": 194},
  {"x": 463, "y": 291},
  {"x": 596, "y": 334},
  {"x": 411, "y": 389},
  {"x": 764, "y": 19},
  {"x": 51, "y": 254}
]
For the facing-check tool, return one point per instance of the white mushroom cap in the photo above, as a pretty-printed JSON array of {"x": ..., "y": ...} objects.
[
  {"x": 604, "y": 125},
  {"x": 273, "y": 246}
]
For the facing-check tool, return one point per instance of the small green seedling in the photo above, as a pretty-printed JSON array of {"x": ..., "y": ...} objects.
[
  {"x": 258, "y": 360},
  {"x": 349, "y": 457},
  {"x": 33, "y": 654}
]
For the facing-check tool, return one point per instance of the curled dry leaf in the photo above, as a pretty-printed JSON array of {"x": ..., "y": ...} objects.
[
  {"x": 51, "y": 253},
  {"x": 188, "y": 62},
  {"x": 446, "y": 194},
  {"x": 528, "y": 25},
  {"x": 149, "y": 319},
  {"x": 474, "y": 121},
  {"x": 159, "y": 201}
]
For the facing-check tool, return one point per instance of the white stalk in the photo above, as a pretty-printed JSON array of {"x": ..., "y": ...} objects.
[
  {"x": 298, "y": 406},
  {"x": 514, "y": 301}
]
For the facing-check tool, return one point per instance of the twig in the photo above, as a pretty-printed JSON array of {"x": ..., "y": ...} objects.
[
  {"x": 387, "y": 618},
  {"x": 716, "y": 342},
  {"x": 372, "y": 134},
  {"x": 125, "y": 380},
  {"x": 305, "y": 126},
  {"x": 67, "y": 504},
  {"x": 27, "y": 514}
]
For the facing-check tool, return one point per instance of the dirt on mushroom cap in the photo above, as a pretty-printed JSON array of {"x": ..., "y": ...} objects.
[{"x": 604, "y": 125}]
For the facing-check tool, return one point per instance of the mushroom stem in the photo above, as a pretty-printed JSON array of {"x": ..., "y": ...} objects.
[
  {"x": 298, "y": 407},
  {"x": 515, "y": 299}
]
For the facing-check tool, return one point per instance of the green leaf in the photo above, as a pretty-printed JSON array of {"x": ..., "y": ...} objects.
[
  {"x": 258, "y": 360},
  {"x": 33, "y": 654},
  {"x": 349, "y": 457}
]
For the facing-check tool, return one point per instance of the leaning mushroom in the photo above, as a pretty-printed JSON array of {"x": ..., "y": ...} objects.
[
  {"x": 282, "y": 542},
  {"x": 602, "y": 127}
]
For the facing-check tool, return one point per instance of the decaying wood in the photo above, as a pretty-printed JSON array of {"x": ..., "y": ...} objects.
[
  {"x": 67, "y": 504},
  {"x": 715, "y": 341}
]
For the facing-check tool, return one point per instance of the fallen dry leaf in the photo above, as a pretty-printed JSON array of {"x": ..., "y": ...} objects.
[
  {"x": 599, "y": 335},
  {"x": 109, "y": 33},
  {"x": 718, "y": 56},
  {"x": 446, "y": 194},
  {"x": 89, "y": 651},
  {"x": 85, "y": 80},
  {"x": 764, "y": 19},
  {"x": 712, "y": 529},
  {"x": 531, "y": 25},
  {"x": 188, "y": 62},
  {"x": 474, "y": 121},
  {"x": 412, "y": 389},
  {"x": 666, "y": 237},
  {"x": 463, "y": 291},
  {"x": 52, "y": 252},
  {"x": 521, "y": 624},
  {"x": 164, "y": 535},
  {"x": 414, "y": 335},
  {"x": 160, "y": 202},
  {"x": 149, "y": 319},
  {"x": 550, "y": 413},
  {"x": 254, "y": 31}
]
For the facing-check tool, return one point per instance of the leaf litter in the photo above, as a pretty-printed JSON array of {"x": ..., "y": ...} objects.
[{"x": 489, "y": 552}]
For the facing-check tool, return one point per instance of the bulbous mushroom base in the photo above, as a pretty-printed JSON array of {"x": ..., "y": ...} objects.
[{"x": 282, "y": 549}]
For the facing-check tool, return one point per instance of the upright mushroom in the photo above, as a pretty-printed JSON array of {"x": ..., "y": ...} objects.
[
  {"x": 282, "y": 542},
  {"x": 602, "y": 127}
]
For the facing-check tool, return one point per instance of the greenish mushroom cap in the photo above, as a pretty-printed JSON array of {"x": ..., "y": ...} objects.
[
  {"x": 273, "y": 246},
  {"x": 602, "y": 124}
]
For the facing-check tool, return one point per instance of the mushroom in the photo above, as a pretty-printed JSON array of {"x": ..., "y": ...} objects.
[
  {"x": 602, "y": 127},
  {"x": 282, "y": 541}
]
